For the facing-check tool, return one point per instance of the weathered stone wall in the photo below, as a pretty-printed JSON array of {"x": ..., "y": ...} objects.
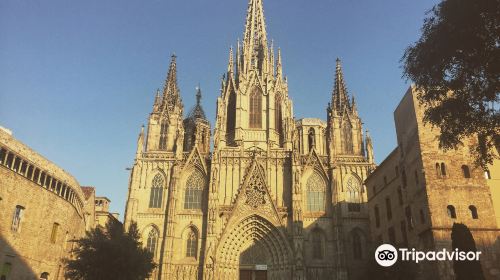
[{"x": 31, "y": 250}]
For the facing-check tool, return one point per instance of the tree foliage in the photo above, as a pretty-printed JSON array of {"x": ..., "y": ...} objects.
[
  {"x": 456, "y": 67},
  {"x": 110, "y": 253},
  {"x": 461, "y": 239}
]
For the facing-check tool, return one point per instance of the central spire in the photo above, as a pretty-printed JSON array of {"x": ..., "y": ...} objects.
[{"x": 255, "y": 37}]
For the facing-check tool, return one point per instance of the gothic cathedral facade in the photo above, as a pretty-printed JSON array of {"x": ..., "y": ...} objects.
[{"x": 273, "y": 198}]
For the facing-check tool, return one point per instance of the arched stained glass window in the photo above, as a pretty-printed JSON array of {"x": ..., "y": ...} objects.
[
  {"x": 155, "y": 199},
  {"x": 152, "y": 241},
  {"x": 347, "y": 139},
  {"x": 163, "y": 135},
  {"x": 353, "y": 188},
  {"x": 192, "y": 244},
  {"x": 316, "y": 188},
  {"x": 193, "y": 195},
  {"x": 277, "y": 116},
  {"x": 231, "y": 112},
  {"x": 357, "y": 247},
  {"x": 317, "y": 244},
  {"x": 255, "y": 117}
]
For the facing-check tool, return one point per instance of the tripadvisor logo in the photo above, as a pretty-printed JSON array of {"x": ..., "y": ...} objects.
[{"x": 387, "y": 255}]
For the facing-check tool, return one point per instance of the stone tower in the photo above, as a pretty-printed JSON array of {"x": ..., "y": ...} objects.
[{"x": 276, "y": 198}]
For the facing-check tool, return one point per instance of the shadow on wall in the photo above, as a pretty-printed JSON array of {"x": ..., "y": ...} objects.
[{"x": 13, "y": 266}]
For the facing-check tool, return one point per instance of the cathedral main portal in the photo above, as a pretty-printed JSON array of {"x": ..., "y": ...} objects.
[{"x": 254, "y": 249}]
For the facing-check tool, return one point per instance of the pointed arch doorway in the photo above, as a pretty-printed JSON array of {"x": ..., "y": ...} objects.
[
  {"x": 253, "y": 262},
  {"x": 253, "y": 249}
]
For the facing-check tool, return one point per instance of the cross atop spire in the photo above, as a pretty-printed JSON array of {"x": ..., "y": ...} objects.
[
  {"x": 340, "y": 97},
  {"x": 255, "y": 37},
  {"x": 171, "y": 96}
]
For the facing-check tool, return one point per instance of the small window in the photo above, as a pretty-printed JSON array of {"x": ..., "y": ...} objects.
[
  {"x": 10, "y": 159},
  {"x": 311, "y": 139},
  {"x": 16, "y": 220},
  {"x": 3, "y": 154},
  {"x": 473, "y": 212},
  {"x": 443, "y": 169},
  {"x": 192, "y": 244},
  {"x": 487, "y": 175},
  {"x": 465, "y": 171},
  {"x": 389, "y": 208},
  {"x": 53, "y": 235},
  {"x": 377, "y": 216},
  {"x": 438, "y": 170},
  {"x": 404, "y": 179},
  {"x": 156, "y": 195},
  {"x": 451, "y": 211},
  {"x": 44, "y": 276},
  {"x": 400, "y": 196},
  {"x": 152, "y": 241}
]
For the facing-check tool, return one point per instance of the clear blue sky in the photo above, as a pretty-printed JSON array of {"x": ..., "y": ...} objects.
[{"x": 77, "y": 78}]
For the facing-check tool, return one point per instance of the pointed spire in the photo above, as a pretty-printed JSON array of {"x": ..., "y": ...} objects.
[
  {"x": 230, "y": 66},
  {"x": 271, "y": 59},
  {"x": 171, "y": 95},
  {"x": 279, "y": 66},
  {"x": 140, "y": 142},
  {"x": 339, "y": 96},
  {"x": 255, "y": 37},
  {"x": 157, "y": 104},
  {"x": 354, "y": 108},
  {"x": 369, "y": 148},
  {"x": 197, "y": 112}
]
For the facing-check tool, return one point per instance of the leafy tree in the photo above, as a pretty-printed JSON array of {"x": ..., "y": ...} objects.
[
  {"x": 461, "y": 239},
  {"x": 110, "y": 253},
  {"x": 456, "y": 66}
]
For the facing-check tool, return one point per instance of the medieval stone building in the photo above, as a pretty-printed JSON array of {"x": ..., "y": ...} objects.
[{"x": 275, "y": 198}]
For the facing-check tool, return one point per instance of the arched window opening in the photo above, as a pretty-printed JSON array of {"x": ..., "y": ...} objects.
[
  {"x": 438, "y": 170},
  {"x": 451, "y": 211},
  {"x": 53, "y": 235},
  {"x": 311, "y": 135},
  {"x": 347, "y": 139},
  {"x": 443, "y": 169},
  {"x": 473, "y": 212},
  {"x": 192, "y": 244},
  {"x": 255, "y": 108},
  {"x": 466, "y": 171},
  {"x": 353, "y": 187},
  {"x": 231, "y": 112},
  {"x": 193, "y": 195},
  {"x": 156, "y": 197},
  {"x": 316, "y": 188},
  {"x": 357, "y": 247},
  {"x": 16, "y": 220},
  {"x": 152, "y": 241},
  {"x": 163, "y": 135},
  {"x": 44, "y": 276},
  {"x": 317, "y": 244},
  {"x": 487, "y": 175}
]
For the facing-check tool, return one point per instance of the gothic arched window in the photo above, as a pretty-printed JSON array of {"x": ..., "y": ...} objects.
[
  {"x": 357, "y": 246},
  {"x": 317, "y": 244},
  {"x": 163, "y": 135},
  {"x": 466, "y": 171},
  {"x": 255, "y": 109},
  {"x": 231, "y": 112},
  {"x": 311, "y": 138},
  {"x": 347, "y": 139},
  {"x": 152, "y": 241},
  {"x": 316, "y": 189},
  {"x": 473, "y": 212},
  {"x": 192, "y": 244},
  {"x": 156, "y": 196},
  {"x": 194, "y": 191},
  {"x": 353, "y": 187}
]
